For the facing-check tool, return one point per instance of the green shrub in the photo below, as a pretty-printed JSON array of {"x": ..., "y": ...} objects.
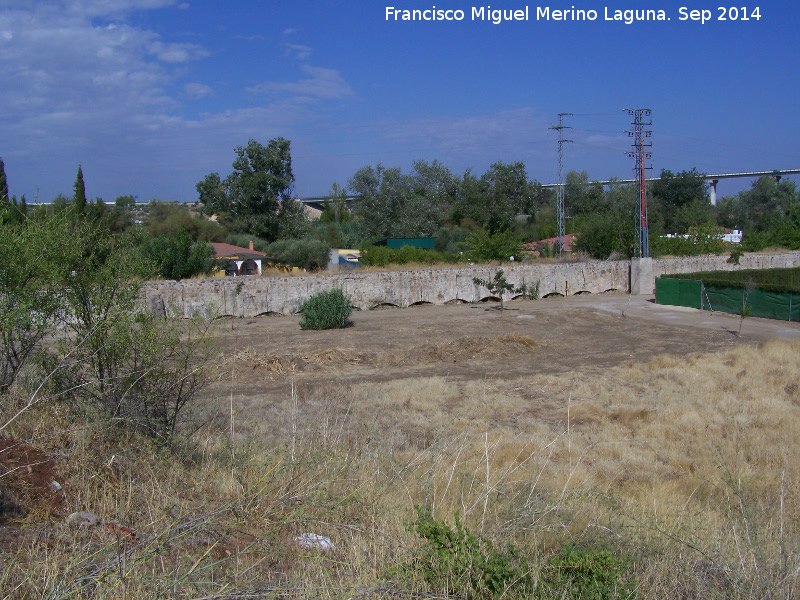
[
  {"x": 374, "y": 256},
  {"x": 485, "y": 247},
  {"x": 455, "y": 561},
  {"x": 605, "y": 233},
  {"x": 785, "y": 236},
  {"x": 326, "y": 310},
  {"x": 380, "y": 256}
]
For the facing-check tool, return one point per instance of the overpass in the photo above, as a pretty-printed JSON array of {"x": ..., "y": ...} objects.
[{"x": 711, "y": 180}]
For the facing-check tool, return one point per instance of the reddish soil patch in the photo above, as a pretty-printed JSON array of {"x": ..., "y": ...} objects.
[{"x": 28, "y": 481}]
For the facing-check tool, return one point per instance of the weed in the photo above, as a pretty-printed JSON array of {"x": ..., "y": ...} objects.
[{"x": 454, "y": 560}]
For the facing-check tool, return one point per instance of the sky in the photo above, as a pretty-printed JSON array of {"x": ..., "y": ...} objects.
[{"x": 149, "y": 96}]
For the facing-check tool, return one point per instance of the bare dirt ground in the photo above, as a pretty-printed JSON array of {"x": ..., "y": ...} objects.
[{"x": 472, "y": 342}]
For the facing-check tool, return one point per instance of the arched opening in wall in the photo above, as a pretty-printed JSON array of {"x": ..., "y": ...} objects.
[
  {"x": 609, "y": 290},
  {"x": 227, "y": 317},
  {"x": 421, "y": 303},
  {"x": 269, "y": 313},
  {"x": 553, "y": 295},
  {"x": 582, "y": 293},
  {"x": 456, "y": 301},
  {"x": 522, "y": 297},
  {"x": 489, "y": 299},
  {"x": 384, "y": 306}
]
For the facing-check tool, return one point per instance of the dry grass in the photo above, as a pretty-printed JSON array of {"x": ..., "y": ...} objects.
[{"x": 689, "y": 465}]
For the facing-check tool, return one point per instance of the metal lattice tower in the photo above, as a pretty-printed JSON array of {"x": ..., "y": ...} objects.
[
  {"x": 560, "y": 197},
  {"x": 642, "y": 123}
]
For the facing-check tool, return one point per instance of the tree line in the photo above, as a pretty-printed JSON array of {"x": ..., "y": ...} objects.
[{"x": 477, "y": 216}]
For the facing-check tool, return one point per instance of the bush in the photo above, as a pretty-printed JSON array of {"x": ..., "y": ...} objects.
[
  {"x": 484, "y": 246},
  {"x": 326, "y": 310},
  {"x": 704, "y": 240}
]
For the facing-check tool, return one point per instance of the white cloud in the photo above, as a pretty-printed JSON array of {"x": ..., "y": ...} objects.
[
  {"x": 81, "y": 84},
  {"x": 298, "y": 51},
  {"x": 176, "y": 53},
  {"x": 197, "y": 90},
  {"x": 322, "y": 83}
]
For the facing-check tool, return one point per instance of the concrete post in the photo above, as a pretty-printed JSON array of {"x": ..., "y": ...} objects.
[
  {"x": 712, "y": 183},
  {"x": 643, "y": 282}
]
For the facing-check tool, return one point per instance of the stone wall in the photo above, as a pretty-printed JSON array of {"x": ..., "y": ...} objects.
[{"x": 252, "y": 296}]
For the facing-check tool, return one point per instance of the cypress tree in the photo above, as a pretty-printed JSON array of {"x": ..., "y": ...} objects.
[
  {"x": 79, "y": 197},
  {"x": 4, "y": 200}
]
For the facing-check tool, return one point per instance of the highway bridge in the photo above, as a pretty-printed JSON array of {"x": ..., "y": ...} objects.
[{"x": 711, "y": 180}]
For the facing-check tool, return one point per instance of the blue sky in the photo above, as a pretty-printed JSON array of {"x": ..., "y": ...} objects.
[{"x": 151, "y": 95}]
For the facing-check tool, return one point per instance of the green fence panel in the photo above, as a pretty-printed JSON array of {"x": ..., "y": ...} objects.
[
  {"x": 679, "y": 292},
  {"x": 769, "y": 305}
]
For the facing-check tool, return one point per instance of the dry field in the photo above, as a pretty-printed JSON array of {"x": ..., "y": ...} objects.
[{"x": 654, "y": 436}]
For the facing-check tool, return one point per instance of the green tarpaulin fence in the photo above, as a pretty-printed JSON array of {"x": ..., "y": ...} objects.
[
  {"x": 757, "y": 303},
  {"x": 679, "y": 292}
]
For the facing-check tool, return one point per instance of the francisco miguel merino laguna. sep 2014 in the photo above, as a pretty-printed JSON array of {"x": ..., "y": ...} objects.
[{"x": 545, "y": 13}]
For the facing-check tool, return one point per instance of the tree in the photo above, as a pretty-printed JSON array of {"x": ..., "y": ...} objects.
[
  {"x": 4, "y": 198},
  {"x": 335, "y": 206},
  {"x": 582, "y": 197},
  {"x": 495, "y": 200},
  {"x": 126, "y": 203},
  {"x": 33, "y": 255},
  {"x": 178, "y": 256},
  {"x": 79, "y": 194},
  {"x": 605, "y": 233},
  {"x": 170, "y": 218},
  {"x": 113, "y": 358},
  {"x": 679, "y": 201},
  {"x": 258, "y": 193},
  {"x": 380, "y": 193},
  {"x": 500, "y": 286}
]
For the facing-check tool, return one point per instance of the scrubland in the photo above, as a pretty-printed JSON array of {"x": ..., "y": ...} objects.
[{"x": 674, "y": 477}]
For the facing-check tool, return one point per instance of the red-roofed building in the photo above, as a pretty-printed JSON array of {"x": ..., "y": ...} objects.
[
  {"x": 238, "y": 261},
  {"x": 551, "y": 243}
]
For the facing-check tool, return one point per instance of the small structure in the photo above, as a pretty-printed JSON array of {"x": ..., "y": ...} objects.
[
  {"x": 341, "y": 258},
  {"x": 425, "y": 243},
  {"x": 236, "y": 261}
]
